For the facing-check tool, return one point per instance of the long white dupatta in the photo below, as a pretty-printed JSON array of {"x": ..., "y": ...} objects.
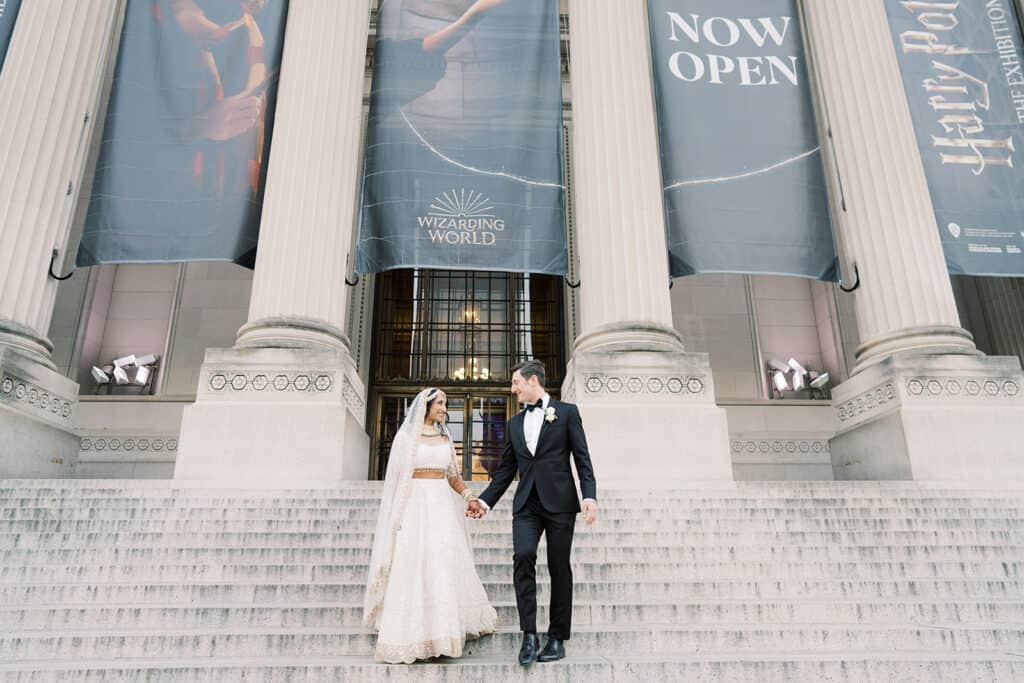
[{"x": 397, "y": 485}]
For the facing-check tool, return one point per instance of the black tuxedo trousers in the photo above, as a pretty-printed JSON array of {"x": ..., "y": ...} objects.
[{"x": 527, "y": 526}]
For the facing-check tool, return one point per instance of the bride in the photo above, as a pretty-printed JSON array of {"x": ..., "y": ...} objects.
[{"x": 423, "y": 595}]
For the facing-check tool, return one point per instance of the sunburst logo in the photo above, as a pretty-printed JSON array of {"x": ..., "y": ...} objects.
[
  {"x": 462, "y": 217},
  {"x": 461, "y": 204}
]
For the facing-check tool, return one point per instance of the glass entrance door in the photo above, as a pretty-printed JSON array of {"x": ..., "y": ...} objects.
[
  {"x": 460, "y": 331},
  {"x": 476, "y": 421}
]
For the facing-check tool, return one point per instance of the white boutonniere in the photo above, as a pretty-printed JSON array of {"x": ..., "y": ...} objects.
[{"x": 549, "y": 415}]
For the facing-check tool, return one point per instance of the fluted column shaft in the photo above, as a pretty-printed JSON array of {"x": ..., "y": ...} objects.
[
  {"x": 617, "y": 182},
  {"x": 1003, "y": 302},
  {"x": 299, "y": 293},
  {"x": 50, "y": 91},
  {"x": 905, "y": 301}
]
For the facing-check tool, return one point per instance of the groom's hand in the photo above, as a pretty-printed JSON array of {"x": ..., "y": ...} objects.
[{"x": 589, "y": 511}]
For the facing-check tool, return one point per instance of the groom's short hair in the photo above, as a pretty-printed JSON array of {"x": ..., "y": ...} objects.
[{"x": 530, "y": 368}]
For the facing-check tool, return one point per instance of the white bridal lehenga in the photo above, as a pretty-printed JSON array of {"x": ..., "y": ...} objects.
[{"x": 424, "y": 597}]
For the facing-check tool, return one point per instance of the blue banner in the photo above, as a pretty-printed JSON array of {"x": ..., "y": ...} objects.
[
  {"x": 463, "y": 165},
  {"x": 184, "y": 153},
  {"x": 740, "y": 158},
  {"x": 8, "y": 15},
  {"x": 962, "y": 71}
]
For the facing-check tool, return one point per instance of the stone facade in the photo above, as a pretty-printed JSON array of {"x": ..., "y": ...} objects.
[{"x": 654, "y": 368}]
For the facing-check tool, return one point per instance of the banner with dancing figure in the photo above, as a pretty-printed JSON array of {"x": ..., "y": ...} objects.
[
  {"x": 463, "y": 163},
  {"x": 741, "y": 161},
  {"x": 187, "y": 136}
]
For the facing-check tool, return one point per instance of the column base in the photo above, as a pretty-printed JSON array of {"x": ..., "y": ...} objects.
[
  {"x": 275, "y": 418},
  {"x": 931, "y": 417},
  {"x": 291, "y": 333},
  {"x": 932, "y": 340},
  {"x": 650, "y": 417},
  {"x": 36, "y": 408},
  {"x": 39, "y": 350}
]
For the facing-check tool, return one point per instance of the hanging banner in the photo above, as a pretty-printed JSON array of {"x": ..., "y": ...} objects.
[
  {"x": 740, "y": 158},
  {"x": 463, "y": 164},
  {"x": 8, "y": 14},
  {"x": 187, "y": 136},
  {"x": 963, "y": 71}
]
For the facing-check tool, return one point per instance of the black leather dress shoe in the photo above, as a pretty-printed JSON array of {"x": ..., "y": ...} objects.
[
  {"x": 528, "y": 652},
  {"x": 553, "y": 650}
]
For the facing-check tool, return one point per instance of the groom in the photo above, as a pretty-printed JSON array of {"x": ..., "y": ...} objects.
[{"x": 537, "y": 444}]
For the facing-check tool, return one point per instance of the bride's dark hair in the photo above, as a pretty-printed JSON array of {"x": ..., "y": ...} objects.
[{"x": 431, "y": 397}]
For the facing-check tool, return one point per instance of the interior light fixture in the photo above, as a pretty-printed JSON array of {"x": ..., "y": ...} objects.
[
  {"x": 148, "y": 359},
  {"x": 124, "y": 361},
  {"x": 797, "y": 368},
  {"x": 779, "y": 379},
  {"x": 778, "y": 365},
  {"x": 141, "y": 376},
  {"x": 100, "y": 376},
  {"x": 120, "y": 376},
  {"x": 820, "y": 382},
  {"x": 798, "y": 381}
]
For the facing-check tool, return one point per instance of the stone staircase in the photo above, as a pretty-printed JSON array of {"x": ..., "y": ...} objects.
[{"x": 115, "y": 580}]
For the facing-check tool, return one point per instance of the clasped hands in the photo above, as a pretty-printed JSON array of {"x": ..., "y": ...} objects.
[{"x": 475, "y": 510}]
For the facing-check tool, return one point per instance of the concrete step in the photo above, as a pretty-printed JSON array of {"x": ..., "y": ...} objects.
[
  {"x": 618, "y": 526},
  {"x": 184, "y": 553},
  {"x": 590, "y": 537},
  {"x": 497, "y": 571},
  {"x": 643, "y": 507},
  {"x": 325, "y": 591},
  {"x": 647, "y": 639},
  {"x": 614, "y": 499},
  {"x": 22, "y": 619},
  {"x": 809, "y": 519},
  {"x": 748, "y": 667},
  {"x": 764, "y": 488}
]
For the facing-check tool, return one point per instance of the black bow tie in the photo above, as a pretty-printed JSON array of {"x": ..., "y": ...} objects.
[{"x": 538, "y": 404}]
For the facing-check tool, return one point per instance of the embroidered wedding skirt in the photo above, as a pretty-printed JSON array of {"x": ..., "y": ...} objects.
[{"x": 434, "y": 600}]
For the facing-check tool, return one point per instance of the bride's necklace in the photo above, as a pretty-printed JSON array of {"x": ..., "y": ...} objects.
[{"x": 423, "y": 433}]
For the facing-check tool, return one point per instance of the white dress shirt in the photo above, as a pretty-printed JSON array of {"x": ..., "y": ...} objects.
[{"x": 533, "y": 420}]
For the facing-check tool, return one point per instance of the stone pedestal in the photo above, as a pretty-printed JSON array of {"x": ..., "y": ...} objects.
[
  {"x": 650, "y": 416},
  {"x": 274, "y": 418},
  {"x": 932, "y": 417},
  {"x": 37, "y": 406}
]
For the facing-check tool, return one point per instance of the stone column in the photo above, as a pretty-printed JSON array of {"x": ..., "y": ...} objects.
[
  {"x": 629, "y": 372},
  {"x": 1002, "y": 302},
  {"x": 286, "y": 405},
  {"x": 922, "y": 402},
  {"x": 51, "y": 93}
]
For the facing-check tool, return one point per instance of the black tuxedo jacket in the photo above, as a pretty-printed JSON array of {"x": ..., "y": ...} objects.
[{"x": 547, "y": 470}]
